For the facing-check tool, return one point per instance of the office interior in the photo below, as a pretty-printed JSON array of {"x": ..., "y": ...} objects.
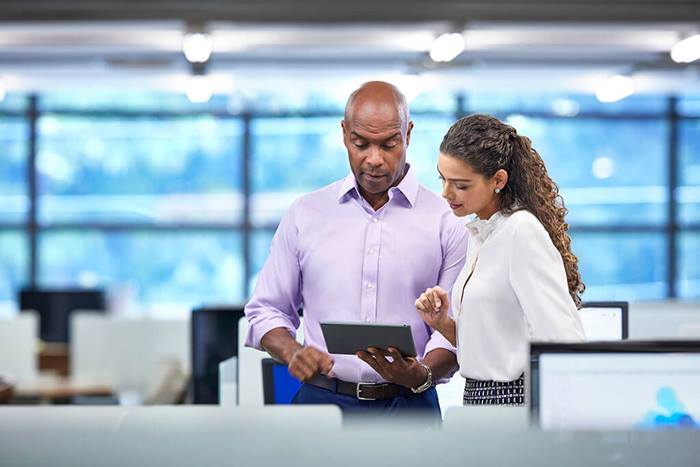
[{"x": 149, "y": 151}]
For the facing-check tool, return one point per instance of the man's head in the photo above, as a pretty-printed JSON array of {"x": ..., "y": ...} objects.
[{"x": 376, "y": 133}]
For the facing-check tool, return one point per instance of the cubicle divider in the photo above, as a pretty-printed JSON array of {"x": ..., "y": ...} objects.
[
  {"x": 175, "y": 435},
  {"x": 250, "y": 376},
  {"x": 19, "y": 347},
  {"x": 309, "y": 436},
  {"x": 128, "y": 353}
]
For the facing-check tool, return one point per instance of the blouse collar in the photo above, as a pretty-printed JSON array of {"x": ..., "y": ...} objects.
[{"x": 482, "y": 228}]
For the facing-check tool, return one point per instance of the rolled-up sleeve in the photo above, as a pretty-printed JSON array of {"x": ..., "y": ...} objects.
[{"x": 277, "y": 296}]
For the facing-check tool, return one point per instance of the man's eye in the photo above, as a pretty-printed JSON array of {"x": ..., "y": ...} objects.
[{"x": 360, "y": 145}]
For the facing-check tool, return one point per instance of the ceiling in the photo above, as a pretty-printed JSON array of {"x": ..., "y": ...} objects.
[{"x": 543, "y": 44}]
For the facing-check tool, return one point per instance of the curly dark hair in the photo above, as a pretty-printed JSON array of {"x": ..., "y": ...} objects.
[{"x": 488, "y": 145}]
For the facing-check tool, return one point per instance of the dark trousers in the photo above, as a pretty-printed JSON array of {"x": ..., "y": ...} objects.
[{"x": 424, "y": 404}]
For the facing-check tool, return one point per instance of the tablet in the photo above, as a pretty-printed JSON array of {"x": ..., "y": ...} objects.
[{"x": 349, "y": 337}]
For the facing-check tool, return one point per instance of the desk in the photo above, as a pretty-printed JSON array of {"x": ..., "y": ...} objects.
[
  {"x": 59, "y": 390},
  {"x": 54, "y": 357},
  {"x": 6, "y": 392}
]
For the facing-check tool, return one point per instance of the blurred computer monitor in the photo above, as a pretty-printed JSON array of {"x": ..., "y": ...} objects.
[
  {"x": 54, "y": 307},
  {"x": 605, "y": 321},
  {"x": 214, "y": 339},
  {"x": 622, "y": 385},
  {"x": 279, "y": 386}
]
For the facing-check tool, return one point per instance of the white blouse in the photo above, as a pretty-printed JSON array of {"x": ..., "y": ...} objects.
[{"x": 517, "y": 293}]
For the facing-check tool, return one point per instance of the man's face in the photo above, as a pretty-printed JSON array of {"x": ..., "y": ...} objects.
[{"x": 376, "y": 139}]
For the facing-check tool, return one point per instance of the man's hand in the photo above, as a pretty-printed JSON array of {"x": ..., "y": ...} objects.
[
  {"x": 404, "y": 371},
  {"x": 307, "y": 362}
]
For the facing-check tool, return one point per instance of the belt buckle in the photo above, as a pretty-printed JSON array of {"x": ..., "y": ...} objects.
[{"x": 358, "y": 392}]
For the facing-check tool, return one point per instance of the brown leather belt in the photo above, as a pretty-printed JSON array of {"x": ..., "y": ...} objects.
[{"x": 361, "y": 391}]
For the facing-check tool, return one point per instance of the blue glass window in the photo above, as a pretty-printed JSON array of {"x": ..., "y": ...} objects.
[
  {"x": 622, "y": 266},
  {"x": 688, "y": 194},
  {"x": 291, "y": 157},
  {"x": 179, "y": 269},
  {"x": 689, "y": 267},
  {"x": 14, "y": 201},
  {"x": 139, "y": 170},
  {"x": 596, "y": 164}
]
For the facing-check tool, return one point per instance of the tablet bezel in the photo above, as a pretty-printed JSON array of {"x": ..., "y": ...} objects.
[{"x": 347, "y": 338}]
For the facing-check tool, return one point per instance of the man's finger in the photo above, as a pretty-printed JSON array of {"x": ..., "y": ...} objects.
[
  {"x": 325, "y": 362},
  {"x": 380, "y": 359},
  {"x": 369, "y": 359},
  {"x": 396, "y": 356},
  {"x": 302, "y": 370}
]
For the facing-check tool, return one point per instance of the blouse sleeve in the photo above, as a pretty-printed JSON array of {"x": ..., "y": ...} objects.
[{"x": 538, "y": 278}]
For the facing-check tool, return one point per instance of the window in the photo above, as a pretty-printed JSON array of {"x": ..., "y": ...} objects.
[
  {"x": 14, "y": 200},
  {"x": 423, "y": 150},
  {"x": 689, "y": 267},
  {"x": 291, "y": 157},
  {"x": 622, "y": 266},
  {"x": 177, "y": 269},
  {"x": 596, "y": 164},
  {"x": 14, "y": 262},
  {"x": 148, "y": 195},
  {"x": 177, "y": 170},
  {"x": 688, "y": 193}
]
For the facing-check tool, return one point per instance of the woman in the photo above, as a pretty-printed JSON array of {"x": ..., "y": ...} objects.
[{"x": 520, "y": 281}]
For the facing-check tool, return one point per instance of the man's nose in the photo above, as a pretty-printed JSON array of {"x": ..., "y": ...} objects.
[{"x": 374, "y": 158}]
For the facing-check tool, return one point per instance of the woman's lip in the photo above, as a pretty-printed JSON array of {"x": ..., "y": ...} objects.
[{"x": 455, "y": 206}]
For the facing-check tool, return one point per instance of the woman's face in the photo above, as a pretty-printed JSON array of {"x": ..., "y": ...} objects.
[{"x": 467, "y": 191}]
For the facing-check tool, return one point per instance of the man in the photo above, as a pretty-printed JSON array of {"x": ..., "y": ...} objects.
[{"x": 361, "y": 249}]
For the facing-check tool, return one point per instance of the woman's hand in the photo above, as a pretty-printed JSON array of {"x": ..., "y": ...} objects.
[{"x": 432, "y": 305}]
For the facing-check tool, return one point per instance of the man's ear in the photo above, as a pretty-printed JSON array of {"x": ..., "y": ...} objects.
[
  {"x": 408, "y": 132},
  {"x": 345, "y": 130}
]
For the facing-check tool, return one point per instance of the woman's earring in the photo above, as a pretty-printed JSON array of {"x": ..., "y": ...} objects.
[{"x": 497, "y": 190}]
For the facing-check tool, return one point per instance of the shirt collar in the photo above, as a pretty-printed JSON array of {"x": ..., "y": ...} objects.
[
  {"x": 408, "y": 187},
  {"x": 482, "y": 228}
]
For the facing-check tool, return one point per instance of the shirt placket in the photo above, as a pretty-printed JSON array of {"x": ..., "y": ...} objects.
[{"x": 370, "y": 273}]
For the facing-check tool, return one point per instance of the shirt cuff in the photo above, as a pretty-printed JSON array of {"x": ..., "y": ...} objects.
[
  {"x": 258, "y": 328},
  {"x": 438, "y": 341}
]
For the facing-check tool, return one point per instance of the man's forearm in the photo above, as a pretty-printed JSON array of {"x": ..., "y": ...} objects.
[
  {"x": 449, "y": 330},
  {"x": 442, "y": 362},
  {"x": 280, "y": 344}
]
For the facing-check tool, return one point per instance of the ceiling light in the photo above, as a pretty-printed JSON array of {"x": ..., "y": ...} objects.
[
  {"x": 446, "y": 47},
  {"x": 197, "y": 47},
  {"x": 687, "y": 50},
  {"x": 615, "y": 88},
  {"x": 199, "y": 90},
  {"x": 565, "y": 107},
  {"x": 603, "y": 167}
]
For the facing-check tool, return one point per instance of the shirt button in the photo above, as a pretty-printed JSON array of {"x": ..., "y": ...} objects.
[
  {"x": 369, "y": 286},
  {"x": 375, "y": 220},
  {"x": 368, "y": 319},
  {"x": 371, "y": 251}
]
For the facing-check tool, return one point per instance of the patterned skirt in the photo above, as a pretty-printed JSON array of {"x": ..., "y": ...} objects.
[{"x": 478, "y": 392}]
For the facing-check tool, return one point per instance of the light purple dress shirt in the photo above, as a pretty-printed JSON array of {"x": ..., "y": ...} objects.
[{"x": 341, "y": 260}]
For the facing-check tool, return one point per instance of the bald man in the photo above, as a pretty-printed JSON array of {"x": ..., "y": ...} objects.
[{"x": 361, "y": 249}]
